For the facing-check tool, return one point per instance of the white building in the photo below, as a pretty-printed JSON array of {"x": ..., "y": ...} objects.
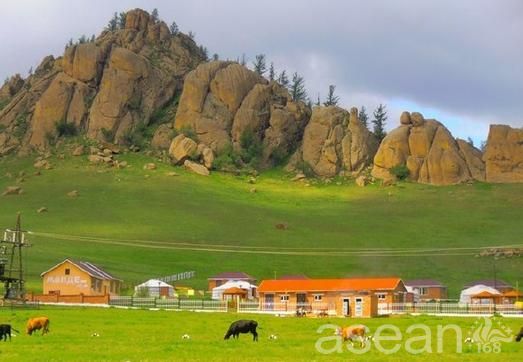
[{"x": 154, "y": 288}]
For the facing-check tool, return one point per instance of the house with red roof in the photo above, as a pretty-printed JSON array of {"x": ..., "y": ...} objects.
[
  {"x": 351, "y": 297},
  {"x": 222, "y": 278}
]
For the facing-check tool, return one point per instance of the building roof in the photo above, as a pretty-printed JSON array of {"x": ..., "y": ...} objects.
[
  {"x": 513, "y": 293},
  {"x": 87, "y": 267},
  {"x": 323, "y": 285},
  {"x": 490, "y": 283},
  {"x": 423, "y": 283},
  {"x": 235, "y": 290},
  {"x": 485, "y": 294},
  {"x": 231, "y": 276},
  {"x": 293, "y": 277},
  {"x": 154, "y": 283}
]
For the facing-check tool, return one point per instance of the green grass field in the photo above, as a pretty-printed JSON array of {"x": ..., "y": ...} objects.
[
  {"x": 158, "y": 225},
  {"x": 142, "y": 335}
]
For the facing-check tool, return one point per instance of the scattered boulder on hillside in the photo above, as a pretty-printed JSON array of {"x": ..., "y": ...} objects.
[
  {"x": 78, "y": 150},
  {"x": 149, "y": 166},
  {"x": 106, "y": 89},
  {"x": 12, "y": 190},
  {"x": 196, "y": 168},
  {"x": 362, "y": 181},
  {"x": 225, "y": 103},
  {"x": 73, "y": 193},
  {"x": 182, "y": 148},
  {"x": 43, "y": 164},
  {"x": 429, "y": 152},
  {"x": 207, "y": 155},
  {"x": 504, "y": 154},
  {"x": 336, "y": 141}
]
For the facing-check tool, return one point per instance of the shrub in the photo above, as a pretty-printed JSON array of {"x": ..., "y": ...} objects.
[
  {"x": 306, "y": 168},
  {"x": 108, "y": 134},
  {"x": 64, "y": 129},
  {"x": 190, "y": 133},
  {"x": 3, "y": 103},
  {"x": 400, "y": 171},
  {"x": 21, "y": 125},
  {"x": 251, "y": 148},
  {"x": 136, "y": 136},
  {"x": 226, "y": 159}
]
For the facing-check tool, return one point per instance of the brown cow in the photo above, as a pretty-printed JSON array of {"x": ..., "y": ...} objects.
[
  {"x": 37, "y": 323},
  {"x": 352, "y": 333}
]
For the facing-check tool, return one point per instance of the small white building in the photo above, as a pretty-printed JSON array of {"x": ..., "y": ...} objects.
[
  {"x": 220, "y": 292},
  {"x": 154, "y": 288},
  {"x": 467, "y": 294}
]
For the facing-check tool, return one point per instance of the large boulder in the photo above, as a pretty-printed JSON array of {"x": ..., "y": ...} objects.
[
  {"x": 196, "y": 168},
  {"x": 504, "y": 154},
  {"x": 335, "y": 140},
  {"x": 222, "y": 101},
  {"x": 182, "y": 148},
  {"x": 429, "y": 152},
  {"x": 162, "y": 137}
]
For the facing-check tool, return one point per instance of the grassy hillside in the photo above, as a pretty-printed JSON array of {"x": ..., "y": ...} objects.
[{"x": 142, "y": 226}]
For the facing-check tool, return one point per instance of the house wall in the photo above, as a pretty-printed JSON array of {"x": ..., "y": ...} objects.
[{"x": 436, "y": 293}]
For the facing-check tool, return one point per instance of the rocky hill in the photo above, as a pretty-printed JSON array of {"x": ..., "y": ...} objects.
[
  {"x": 212, "y": 115},
  {"x": 103, "y": 89}
]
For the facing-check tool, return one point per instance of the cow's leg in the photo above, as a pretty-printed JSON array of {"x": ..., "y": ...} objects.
[{"x": 255, "y": 335}]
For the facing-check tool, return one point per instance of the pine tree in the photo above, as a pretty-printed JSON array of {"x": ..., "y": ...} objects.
[
  {"x": 243, "y": 60},
  {"x": 154, "y": 15},
  {"x": 297, "y": 88},
  {"x": 92, "y": 39},
  {"x": 283, "y": 79},
  {"x": 331, "y": 100},
  {"x": 205, "y": 52},
  {"x": 191, "y": 34},
  {"x": 30, "y": 71},
  {"x": 113, "y": 23},
  {"x": 215, "y": 57},
  {"x": 82, "y": 39},
  {"x": 69, "y": 43},
  {"x": 364, "y": 117},
  {"x": 174, "y": 28},
  {"x": 380, "y": 118},
  {"x": 318, "y": 102},
  {"x": 259, "y": 64},
  {"x": 121, "y": 20},
  {"x": 470, "y": 141},
  {"x": 272, "y": 72}
]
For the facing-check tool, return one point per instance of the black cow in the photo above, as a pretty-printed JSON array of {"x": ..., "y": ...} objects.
[
  {"x": 5, "y": 331},
  {"x": 242, "y": 326},
  {"x": 519, "y": 335}
]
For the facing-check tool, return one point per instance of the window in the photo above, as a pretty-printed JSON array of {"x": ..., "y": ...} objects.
[
  {"x": 381, "y": 296},
  {"x": 318, "y": 297},
  {"x": 67, "y": 271},
  {"x": 422, "y": 291},
  {"x": 284, "y": 298}
]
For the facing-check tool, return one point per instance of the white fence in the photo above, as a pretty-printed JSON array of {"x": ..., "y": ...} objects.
[
  {"x": 170, "y": 303},
  {"x": 447, "y": 308},
  {"x": 298, "y": 309}
]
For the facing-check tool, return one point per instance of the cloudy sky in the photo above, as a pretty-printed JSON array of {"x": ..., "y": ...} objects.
[{"x": 458, "y": 61}]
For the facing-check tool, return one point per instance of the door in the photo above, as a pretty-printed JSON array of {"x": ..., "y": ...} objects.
[
  {"x": 301, "y": 299},
  {"x": 269, "y": 301},
  {"x": 358, "y": 310},
  {"x": 345, "y": 307}
]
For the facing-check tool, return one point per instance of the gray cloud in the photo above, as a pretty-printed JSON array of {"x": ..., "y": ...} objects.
[{"x": 462, "y": 59}]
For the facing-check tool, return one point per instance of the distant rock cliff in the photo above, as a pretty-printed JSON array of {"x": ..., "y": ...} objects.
[{"x": 504, "y": 154}]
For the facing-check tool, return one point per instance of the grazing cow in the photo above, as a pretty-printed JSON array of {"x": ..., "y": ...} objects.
[
  {"x": 519, "y": 336},
  {"x": 5, "y": 331},
  {"x": 34, "y": 324},
  {"x": 353, "y": 333},
  {"x": 242, "y": 326}
]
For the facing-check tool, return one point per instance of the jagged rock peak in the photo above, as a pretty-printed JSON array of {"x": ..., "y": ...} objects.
[{"x": 428, "y": 150}]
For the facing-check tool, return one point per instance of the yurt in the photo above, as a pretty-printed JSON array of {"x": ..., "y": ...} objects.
[
  {"x": 234, "y": 288},
  {"x": 468, "y": 294},
  {"x": 154, "y": 288}
]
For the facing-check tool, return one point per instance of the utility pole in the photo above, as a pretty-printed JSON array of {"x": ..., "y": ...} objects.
[{"x": 11, "y": 252}]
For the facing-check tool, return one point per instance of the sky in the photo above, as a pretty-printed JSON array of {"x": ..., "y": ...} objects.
[{"x": 457, "y": 61}]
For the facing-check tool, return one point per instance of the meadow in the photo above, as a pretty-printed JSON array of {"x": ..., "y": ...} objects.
[
  {"x": 138, "y": 224},
  {"x": 144, "y": 335}
]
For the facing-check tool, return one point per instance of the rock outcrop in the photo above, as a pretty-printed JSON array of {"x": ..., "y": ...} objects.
[
  {"x": 223, "y": 101},
  {"x": 334, "y": 141},
  {"x": 106, "y": 88},
  {"x": 504, "y": 154},
  {"x": 430, "y": 153}
]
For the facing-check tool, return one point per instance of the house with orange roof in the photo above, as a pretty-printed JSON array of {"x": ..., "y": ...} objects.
[{"x": 351, "y": 297}]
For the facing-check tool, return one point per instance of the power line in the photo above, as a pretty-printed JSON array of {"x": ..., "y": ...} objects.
[{"x": 268, "y": 250}]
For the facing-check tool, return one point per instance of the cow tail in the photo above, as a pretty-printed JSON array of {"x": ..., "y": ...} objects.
[{"x": 15, "y": 330}]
